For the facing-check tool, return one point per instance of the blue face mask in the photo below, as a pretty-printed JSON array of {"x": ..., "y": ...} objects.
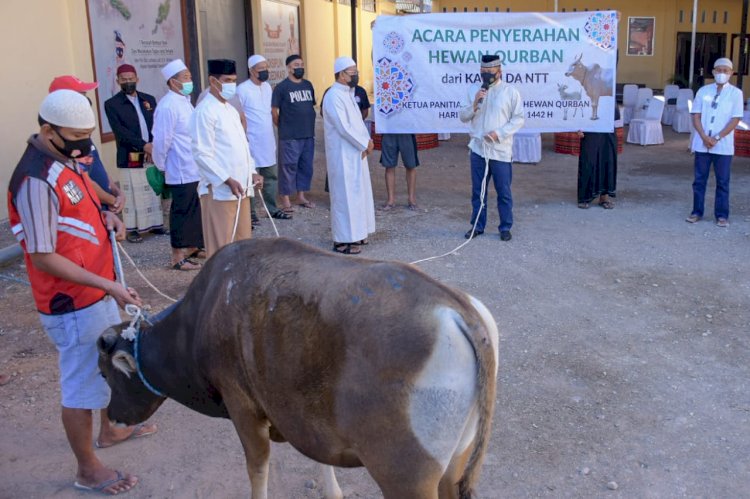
[{"x": 187, "y": 88}]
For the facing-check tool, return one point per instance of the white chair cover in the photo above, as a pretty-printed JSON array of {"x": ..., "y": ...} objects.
[
  {"x": 670, "y": 92},
  {"x": 647, "y": 130},
  {"x": 681, "y": 120},
  {"x": 629, "y": 99},
  {"x": 527, "y": 147},
  {"x": 644, "y": 94}
]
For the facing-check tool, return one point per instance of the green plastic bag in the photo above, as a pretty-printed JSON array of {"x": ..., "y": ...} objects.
[{"x": 156, "y": 180}]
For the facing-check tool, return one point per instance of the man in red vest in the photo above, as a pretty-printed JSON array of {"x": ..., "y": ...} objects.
[{"x": 56, "y": 216}]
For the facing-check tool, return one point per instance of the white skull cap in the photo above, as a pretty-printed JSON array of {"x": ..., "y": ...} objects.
[
  {"x": 255, "y": 59},
  {"x": 69, "y": 109},
  {"x": 342, "y": 63},
  {"x": 172, "y": 68},
  {"x": 723, "y": 61}
]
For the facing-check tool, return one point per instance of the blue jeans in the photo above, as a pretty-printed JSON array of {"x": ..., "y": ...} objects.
[
  {"x": 501, "y": 173},
  {"x": 722, "y": 164}
]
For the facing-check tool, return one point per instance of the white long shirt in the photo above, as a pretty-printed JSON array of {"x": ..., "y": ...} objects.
[
  {"x": 220, "y": 148},
  {"x": 502, "y": 113},
  {"x": 715, "y": 118},
  {"x": 352, "y": 205},
  {"x": 255, "y": 102},
  {"x": 172, "y": 152}
]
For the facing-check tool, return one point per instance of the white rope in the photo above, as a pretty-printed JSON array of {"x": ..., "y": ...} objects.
[
  {"x": 143, "y": 276},
  {"x": 485, "y": 151},
  {"x": 131, "y": 331}
]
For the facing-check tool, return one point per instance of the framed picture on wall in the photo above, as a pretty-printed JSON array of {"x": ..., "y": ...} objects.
[
  {"x": 641, "y": 35},
  {"x": 280, "y": 35},
  {"x": 146, "y": 34}
]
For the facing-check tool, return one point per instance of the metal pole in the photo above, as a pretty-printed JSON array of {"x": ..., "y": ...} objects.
[
  {"x": 692, "y": 44},
  {"x": 555, "y": 5},
  {"x": 354, "y": 30},
  {"x": 743, "y": 45}
]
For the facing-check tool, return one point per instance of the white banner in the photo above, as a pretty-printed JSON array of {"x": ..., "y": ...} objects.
[{"x": 563, "y": 64}]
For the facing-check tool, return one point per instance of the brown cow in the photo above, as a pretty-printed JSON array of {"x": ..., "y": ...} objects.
[
  {"x": 354, "y": 362},
  {"x": 595, "y": 80}
]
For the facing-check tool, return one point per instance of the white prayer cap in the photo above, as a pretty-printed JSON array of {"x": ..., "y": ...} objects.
[
  {"x": 69, "y": 109},
  {"x": 342, "y": 63},
  {"x": 723, "y": 61},
  {"x": 172, "y": 68},
  {"x": 255, "y": 59}
]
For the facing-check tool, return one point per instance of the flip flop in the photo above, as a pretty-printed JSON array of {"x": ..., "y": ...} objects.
[
  {"x": 199, "y": 253},
  {"x": 99, "y": 488},
  {"x": 607, "y": 205},
  {"x": 182, "y": 265},
  {"x": 387, "y": 207},
  {"x": 308, "y": 204},
  {"x": 138, "y": 432},
  {"x": 347, "y": 248},
  {"x": 413, "y": 207},
  {"x": 282, "y": 215},
  {"x": 134, "y": 237},
  {"x": 287, "y": 209}
]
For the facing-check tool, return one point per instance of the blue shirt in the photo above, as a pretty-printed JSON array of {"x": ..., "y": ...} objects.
[{"x": 92, "y": 164}]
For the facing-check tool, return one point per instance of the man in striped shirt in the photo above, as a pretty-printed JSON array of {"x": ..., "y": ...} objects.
[{"x": 57, "y": 218}]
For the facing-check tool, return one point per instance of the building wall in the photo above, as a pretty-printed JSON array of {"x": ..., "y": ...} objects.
[
  {"x": 57, "y": 44},
  {"x": 654, "y": 71}
]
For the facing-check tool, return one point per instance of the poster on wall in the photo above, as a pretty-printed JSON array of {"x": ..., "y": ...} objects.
[
  {"x": 146, "y": 34},
  {"x": 563, "y": 64},
  {"x": 641, "y": 35},
  {"x": 280, "y": 36}
]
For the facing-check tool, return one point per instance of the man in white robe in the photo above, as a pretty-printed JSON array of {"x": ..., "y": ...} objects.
[{"x": 347, "y": 146}]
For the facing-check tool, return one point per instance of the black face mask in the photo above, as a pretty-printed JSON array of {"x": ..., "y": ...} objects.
[
  {"x": 73, "y": 148},
  {"x": 488, "y": 79},
  {"x": 298, "y": 73},
  {"x": 128, "y": 88},
  {"x": 354, "y": 81},
  {"x": 263, "y": 75}
]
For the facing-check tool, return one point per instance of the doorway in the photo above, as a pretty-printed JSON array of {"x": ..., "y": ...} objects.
[
  {"x": 708, "y": 48},
  {"x": 225, "y": 33}
]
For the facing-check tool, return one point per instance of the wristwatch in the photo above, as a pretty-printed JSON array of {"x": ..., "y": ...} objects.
[{"x": 717, "y": 137}]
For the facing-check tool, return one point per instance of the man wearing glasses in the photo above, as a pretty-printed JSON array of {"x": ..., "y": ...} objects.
[{"x": 717, "y": 110}]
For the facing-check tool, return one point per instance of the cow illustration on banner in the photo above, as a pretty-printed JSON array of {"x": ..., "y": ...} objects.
[{"x": 563, "y": 64}]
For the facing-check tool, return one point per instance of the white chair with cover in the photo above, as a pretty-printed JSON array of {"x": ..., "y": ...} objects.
[
  {"x": 647, "y": 130},
  {"x": 644, "y": 94},
  {"x": 682, "y": 121},
  {"x": 670, "y": 97},
  {"x": 527, "y": 147},
  {"x": 629, "y": 98}
]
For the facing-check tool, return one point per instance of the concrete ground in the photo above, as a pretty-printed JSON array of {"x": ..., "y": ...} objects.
[{"x": 624, "y": 357}]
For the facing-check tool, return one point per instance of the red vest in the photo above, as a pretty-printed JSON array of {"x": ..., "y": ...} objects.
[{"x": 82, "y": 235}]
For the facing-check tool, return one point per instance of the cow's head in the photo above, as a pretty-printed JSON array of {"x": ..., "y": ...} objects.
[
  {"x": 131, "y": 401},
  {"x": 576, "y": 68}
]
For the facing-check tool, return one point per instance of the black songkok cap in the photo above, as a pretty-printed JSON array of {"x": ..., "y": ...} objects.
[
  {"x": 490, "y": 61},
  {"x": 222, "y": 67},
  {"x": 292, "y": 58}
]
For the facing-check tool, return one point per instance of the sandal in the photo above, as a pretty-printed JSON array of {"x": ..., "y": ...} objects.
[
  {"x": 287, "y": 209},
  {"x": 199, "y": 253},
  {"x": 346, "y": 248},
  {"x": 307, "y": 204},
  {"x": 186, "y": 264},
  {"x": 583, "y": 206},
  {"x": 282, "y": 215},
  {"x": 387, "y": 207},
  {"x": 134, "y": 237},
  {"x": 363, "y": 242},
  {"x": 413, "y": 207},
  {"x": 607, "y": 205}
]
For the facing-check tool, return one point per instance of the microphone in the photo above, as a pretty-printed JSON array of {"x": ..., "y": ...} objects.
[{"x": 485, "y": 86}]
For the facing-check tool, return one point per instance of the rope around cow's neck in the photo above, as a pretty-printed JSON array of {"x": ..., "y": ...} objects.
[{"x": 137, "y": 355}]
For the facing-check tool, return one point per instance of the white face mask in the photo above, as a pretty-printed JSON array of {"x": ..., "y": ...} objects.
[
  {"x": 227, "y": 90},
  {"x": 721, "y": 78}
]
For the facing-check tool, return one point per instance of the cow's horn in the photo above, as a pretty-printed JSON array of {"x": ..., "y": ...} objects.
[
  {"x": 124, "y": 362},
  {"x": 107, "y": 341}
]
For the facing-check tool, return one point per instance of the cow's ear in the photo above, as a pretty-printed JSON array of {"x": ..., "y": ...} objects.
[
  {"x": 124, "y": 362},
  {"x": 107, "y": 341}
]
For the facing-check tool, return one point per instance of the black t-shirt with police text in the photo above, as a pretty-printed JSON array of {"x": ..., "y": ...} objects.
[{"x": 295, "y": 102}]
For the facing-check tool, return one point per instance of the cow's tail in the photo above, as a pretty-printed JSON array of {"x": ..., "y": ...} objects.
[{"x": 484, "y": 340}]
